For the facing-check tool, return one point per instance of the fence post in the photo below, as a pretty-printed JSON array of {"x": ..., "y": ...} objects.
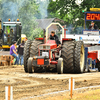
[
  {"x": 9, "y": 93},
  {"x": 71, "y": 86}
]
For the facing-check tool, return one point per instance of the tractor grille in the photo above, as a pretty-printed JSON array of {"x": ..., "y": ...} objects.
[{"x": 43, "y": 51}]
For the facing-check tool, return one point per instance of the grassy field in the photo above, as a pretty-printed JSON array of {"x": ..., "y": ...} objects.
[{"x": 88, "y": 95}]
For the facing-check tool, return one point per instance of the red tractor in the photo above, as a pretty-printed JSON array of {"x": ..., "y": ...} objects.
[{"x": 68, "y": 59}]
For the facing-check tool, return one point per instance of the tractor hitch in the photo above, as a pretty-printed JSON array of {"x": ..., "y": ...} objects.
[{"x": 40, "y": 60}]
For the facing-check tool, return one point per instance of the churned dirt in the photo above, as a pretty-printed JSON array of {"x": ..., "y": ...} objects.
[{"x": 38, "y": 86}]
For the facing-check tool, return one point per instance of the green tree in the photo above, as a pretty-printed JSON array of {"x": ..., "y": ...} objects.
[
  {"x": 42, "y": 9},
  {"x": 25, "y": 11},
  {"x": 71, "y": 12},
  {"x": 0, "y": 8},
  {"x": 26, "y": 15}
]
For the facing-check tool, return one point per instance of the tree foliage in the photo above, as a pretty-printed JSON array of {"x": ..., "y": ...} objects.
[
  {"x": 71, "y": 12},
  {"x": 42, "y": 9},
  {"x": 25, "y": 11},
  {"x": 26, "y": 15}
]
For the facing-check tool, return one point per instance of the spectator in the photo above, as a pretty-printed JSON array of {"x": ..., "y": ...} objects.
[
  {"x": 93, "y": 26},
  {"x": 13, "y": 52},
  {"x": 20, "y": 52}
]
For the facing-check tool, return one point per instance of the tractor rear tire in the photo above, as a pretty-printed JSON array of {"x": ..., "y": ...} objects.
[
  {"x": 67, "y": 53},
  {"x": 29, "y": 65},
  {"x": 26, "y": 54},
  {"x": 34, "y": 48},
  {"x": 98, "y": 66},
  {"x": 79, "y": 57},
  {"x": 34, "y": 52},
  {"x": 60, "y": 66}
]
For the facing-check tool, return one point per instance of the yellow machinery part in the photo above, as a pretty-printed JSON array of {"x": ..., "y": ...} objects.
[
  {"x": 23, "y": 36},
  {"x": 5, "y": 47},
  {"x": 94, "y": 9}
]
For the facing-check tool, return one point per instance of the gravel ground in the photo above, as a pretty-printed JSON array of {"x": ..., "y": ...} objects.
[{"x": 37, "y": 84}]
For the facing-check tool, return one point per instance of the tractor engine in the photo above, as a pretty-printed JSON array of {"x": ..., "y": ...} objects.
[{"x": 46, "y": 54}]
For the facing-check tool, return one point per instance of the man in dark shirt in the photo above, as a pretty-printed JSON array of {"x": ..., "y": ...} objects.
[
  {"x": 55, "y": 37},
  {"x": 20, "y": 52},
  {"x": 93, "y": 26}
]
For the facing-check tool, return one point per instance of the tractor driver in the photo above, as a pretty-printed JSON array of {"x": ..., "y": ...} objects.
[{"x": 53, "y": 36}]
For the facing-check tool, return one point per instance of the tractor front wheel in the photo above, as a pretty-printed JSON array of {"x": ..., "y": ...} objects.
[
  {"x": 60, "y": 66},
  {"x": 29, "y": 65}
]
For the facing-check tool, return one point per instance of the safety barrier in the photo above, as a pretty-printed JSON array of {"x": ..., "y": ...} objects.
[{"x": 9, "y": 91}]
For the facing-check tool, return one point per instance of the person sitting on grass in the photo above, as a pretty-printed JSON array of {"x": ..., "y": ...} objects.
[{"x": 13, "y": 52}]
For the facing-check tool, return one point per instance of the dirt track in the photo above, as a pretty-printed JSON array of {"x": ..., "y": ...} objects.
[{"x": 26, "y": 85}]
